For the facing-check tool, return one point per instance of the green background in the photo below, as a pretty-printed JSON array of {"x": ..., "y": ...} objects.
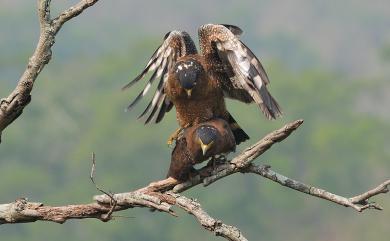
[{"x": 328, "y": 62}]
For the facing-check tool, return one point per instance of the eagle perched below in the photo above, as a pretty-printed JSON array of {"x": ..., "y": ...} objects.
[
  {"x": 197, "y": 144},
  {"x": 197, "y": 83}
]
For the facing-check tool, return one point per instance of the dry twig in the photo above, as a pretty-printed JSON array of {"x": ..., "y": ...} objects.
[{"x": 113, "y": 202}]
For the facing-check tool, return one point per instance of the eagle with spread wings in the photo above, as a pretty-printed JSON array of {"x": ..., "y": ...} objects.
[{"x": 197, "y": 83}]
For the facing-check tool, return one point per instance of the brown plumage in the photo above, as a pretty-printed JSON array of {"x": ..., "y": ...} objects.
[
  {"x": 198, "y": 143},
  {"x": 196, "y": 84},
  {"x": 206, "y": 99}
]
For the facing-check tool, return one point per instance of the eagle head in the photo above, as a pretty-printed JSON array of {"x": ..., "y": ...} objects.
[
  {"x": 206, "y": 136},
  {"x": 188, "y": 73}
]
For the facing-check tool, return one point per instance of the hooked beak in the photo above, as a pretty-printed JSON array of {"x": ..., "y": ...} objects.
[
  {"x": 205, "y": 147},
  {"x": 189, "y": 92}
]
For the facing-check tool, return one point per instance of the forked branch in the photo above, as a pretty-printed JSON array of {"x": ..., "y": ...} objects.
[{"x": 12, "y": 106}]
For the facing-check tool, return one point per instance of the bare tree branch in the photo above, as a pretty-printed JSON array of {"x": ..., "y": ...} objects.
[
  {"x": 22, "y": 211},
  {"x": 359, "y": 203},
  {"x": 162, "y": 195},
  {"x": 153, "y": 196},
  {"x": 209, "y": 223},
  {"x": 242, "y": 163},
  {"x": 12, "y": 106},
  {"x": 362, "y": 199},
  {"x": 71, "y": 13},
  {"x": 44, "y": 14},
  {"x": 208, "y": 174}
]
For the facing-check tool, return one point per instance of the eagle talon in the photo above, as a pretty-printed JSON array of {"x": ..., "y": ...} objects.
[
  {"x": 170, "y": 141},
  {"x": 216, "y": 161},
  {"x": 173, "y": 137},
  {"x": 221, "y": 159}
]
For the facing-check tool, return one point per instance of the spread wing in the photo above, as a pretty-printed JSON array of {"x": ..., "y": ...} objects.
[
  {"x": 243, "y": 76},
  {"x": 176, "y": 44}
]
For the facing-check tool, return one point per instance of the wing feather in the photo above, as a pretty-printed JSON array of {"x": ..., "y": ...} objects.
[
  {"x": 143, "y": 92},
  {"x": 234, "y": 29},
  {"x": 159, "y": 91},
  {"x": 176, "y": 44},
  {"x": 244, "y": 77}
]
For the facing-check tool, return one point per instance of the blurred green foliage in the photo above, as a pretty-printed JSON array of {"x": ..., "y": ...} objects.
[
  {"x": 385, "y": 53},
  {"x": 77, "y": 108}
]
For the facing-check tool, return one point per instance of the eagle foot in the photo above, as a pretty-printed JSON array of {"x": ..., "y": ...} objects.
[
  {"x": 216, "y": 160},
  {"x": 174, "y": 136}
]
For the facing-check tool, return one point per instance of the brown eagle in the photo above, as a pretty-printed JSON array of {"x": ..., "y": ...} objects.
[
  {"x": 196, "y": 83},
  {"x": 197, "y": 144}
]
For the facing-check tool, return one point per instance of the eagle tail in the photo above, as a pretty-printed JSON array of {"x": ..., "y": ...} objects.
[{"x": 239, "y": 134}]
